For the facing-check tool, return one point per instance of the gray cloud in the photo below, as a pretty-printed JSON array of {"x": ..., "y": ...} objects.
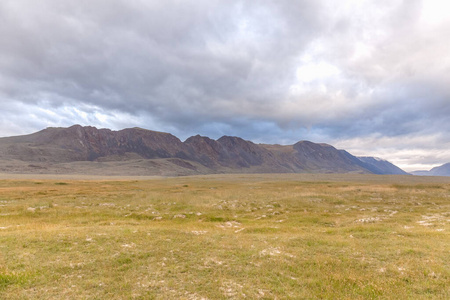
[{"x": 354, "y": 73}]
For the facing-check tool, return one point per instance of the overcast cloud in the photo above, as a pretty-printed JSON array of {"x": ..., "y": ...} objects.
[{"x": 371, "y": 77}]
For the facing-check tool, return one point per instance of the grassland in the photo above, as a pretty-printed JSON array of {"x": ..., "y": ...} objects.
[{"x": 226, "y": 237}]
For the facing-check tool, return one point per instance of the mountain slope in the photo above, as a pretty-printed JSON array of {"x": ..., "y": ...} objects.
[
  {"x": 137, "y": 150},
  {"x": 381, "y": 166},
  {"x": 325, "y": 159}
]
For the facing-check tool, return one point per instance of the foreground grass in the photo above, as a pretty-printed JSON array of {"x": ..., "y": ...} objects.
[{"x": 220, "y": 237}]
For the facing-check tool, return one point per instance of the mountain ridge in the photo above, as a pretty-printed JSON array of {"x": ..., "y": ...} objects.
[{"x": 147, "y": 152}]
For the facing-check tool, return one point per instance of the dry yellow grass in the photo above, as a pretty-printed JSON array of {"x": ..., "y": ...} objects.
[{"x": 225, "y": 237}]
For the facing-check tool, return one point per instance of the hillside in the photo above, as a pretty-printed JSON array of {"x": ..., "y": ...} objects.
[{"x": 137, "y": 151}]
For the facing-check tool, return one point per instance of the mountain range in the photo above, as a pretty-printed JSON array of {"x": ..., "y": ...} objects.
[
  {"x": 137, "y": 151},
  {"x": 443, "y": 170}
]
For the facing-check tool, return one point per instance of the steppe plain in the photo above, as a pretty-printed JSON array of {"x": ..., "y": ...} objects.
[{"x": 271, "y": 236}]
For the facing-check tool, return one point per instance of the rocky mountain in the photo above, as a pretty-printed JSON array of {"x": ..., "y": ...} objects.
[
  {"x": 136, "y": 151},
  {"x": 443, "y": 170}
]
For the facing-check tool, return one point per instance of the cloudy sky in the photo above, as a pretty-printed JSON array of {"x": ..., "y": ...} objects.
[{"x": 371, "y": 77}]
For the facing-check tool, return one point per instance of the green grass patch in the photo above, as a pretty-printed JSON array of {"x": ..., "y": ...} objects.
[{"x": 17, "y": 279}]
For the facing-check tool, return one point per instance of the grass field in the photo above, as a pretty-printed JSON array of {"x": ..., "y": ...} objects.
[{"x": 226, "y": 237}]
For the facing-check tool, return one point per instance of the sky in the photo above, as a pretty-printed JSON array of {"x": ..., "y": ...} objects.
[{"x": 370, "y": 77}]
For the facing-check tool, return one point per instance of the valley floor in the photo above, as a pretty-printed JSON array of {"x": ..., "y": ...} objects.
[{"x": 271, "y": 236}]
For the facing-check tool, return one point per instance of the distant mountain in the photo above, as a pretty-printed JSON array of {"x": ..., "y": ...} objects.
[
  {"x": 443, "y": 170},
  {"x": 381, "y": 166},
  {"x": 137, "y": 151}
]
